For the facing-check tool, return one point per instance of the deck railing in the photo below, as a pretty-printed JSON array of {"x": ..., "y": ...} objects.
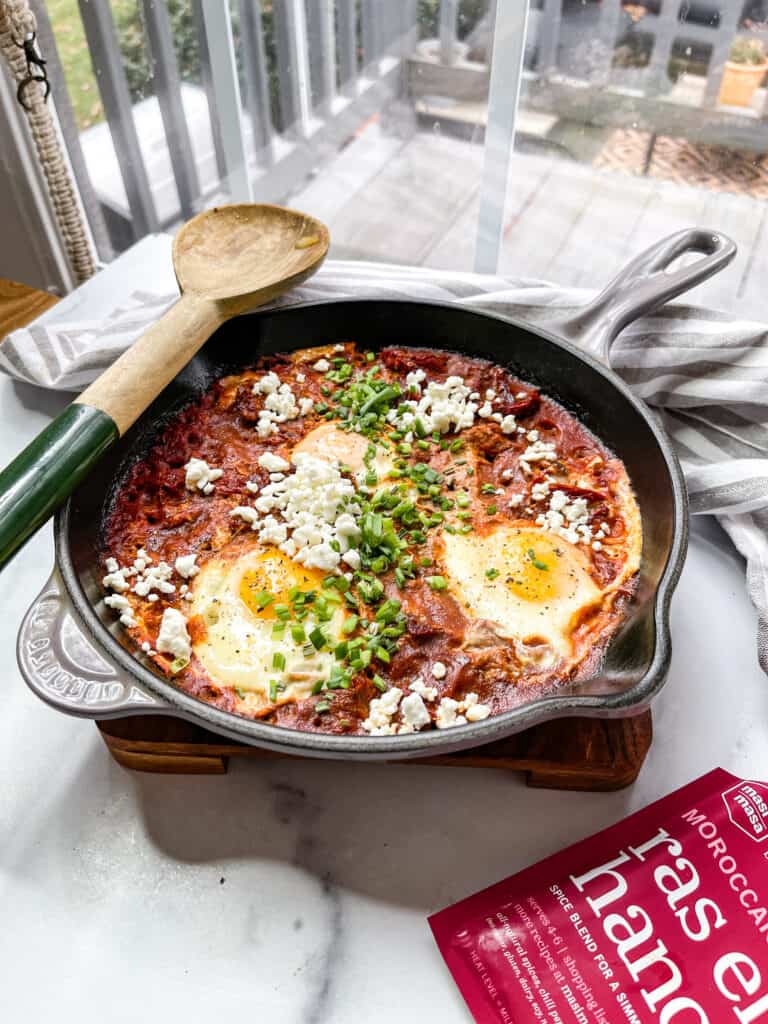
[{"x": 333, "y": 64}]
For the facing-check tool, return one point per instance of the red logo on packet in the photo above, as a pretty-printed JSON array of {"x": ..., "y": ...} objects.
[{"x": 747, "y": 806}]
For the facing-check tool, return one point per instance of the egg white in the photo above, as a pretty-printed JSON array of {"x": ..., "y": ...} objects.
[
  {"x": 542, "y": 587},
  {"x": 331, "y": 444},
  {"x": 238, "y": 645}
]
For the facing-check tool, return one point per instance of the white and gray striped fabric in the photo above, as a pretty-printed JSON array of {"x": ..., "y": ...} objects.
[{"x": 705, "y": 373}]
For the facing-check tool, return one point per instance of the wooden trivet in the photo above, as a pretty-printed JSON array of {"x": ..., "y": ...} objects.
[{"x": 572, "y": 753}]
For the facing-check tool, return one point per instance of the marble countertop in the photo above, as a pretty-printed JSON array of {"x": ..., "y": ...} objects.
[{"x": 299, "y": 891}]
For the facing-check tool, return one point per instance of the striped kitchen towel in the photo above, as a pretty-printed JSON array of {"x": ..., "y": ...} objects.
[{"x": 705, "y": 373}]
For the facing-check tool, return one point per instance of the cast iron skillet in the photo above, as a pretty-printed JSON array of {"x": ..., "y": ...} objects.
[{"x": 74, "y": 655}]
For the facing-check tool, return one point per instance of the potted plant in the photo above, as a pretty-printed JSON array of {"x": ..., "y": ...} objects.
[{"x": 744, "y": 71}]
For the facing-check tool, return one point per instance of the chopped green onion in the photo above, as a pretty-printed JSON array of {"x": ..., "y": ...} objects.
[
  {"x": 492, "y": 573},
  {"x": 437, "y": 582},
  {"x": 379, "y": 683},
  {"x": 538, "y": 564},
  {"x": 350, "y": 625},
  {"x": 278, "y": 661},
  {"x": 264, "y": 598},
  {"x": 318, "y": 638}
]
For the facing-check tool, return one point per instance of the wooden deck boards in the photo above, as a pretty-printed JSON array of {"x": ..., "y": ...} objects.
[{"x": 416, "y": 201}]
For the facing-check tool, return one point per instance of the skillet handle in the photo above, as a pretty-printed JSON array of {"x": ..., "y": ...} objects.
[
  {"x": 644, "y": 285},
  {"x": 61, "y": 666}
]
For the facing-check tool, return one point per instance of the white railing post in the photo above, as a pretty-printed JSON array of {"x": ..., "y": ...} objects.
[
  {"x": 449, "y": 15},
  {"x": 226, "y": 87},
  {"x": 508, "y": 49}
]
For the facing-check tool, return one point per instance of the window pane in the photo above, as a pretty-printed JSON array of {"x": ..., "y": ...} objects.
[{"x": 628, "y": 131}]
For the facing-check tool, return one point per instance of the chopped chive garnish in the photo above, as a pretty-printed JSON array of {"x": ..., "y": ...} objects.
[
  {"x": 264, "y": 598},
  {"x": 379, "y": 683},
  {"x": 492, "y": 573},
  {"x": 538, "y": 564},
  {"x": 278, "y": 661},
  {"x": 318, "y": 638},
  {"x": 437, "y": 582}
]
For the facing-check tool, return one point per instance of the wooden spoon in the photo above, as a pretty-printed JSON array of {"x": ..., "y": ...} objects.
[{"x": 227, "y": 260}]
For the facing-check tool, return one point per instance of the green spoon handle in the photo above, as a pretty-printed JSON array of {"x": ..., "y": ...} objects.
[{"x": 46, "y": 472}]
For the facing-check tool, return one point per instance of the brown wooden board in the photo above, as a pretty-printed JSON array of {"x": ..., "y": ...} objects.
[{"x": 574, "y": 753}]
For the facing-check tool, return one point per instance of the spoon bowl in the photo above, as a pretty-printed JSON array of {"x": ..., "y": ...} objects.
[
  {"x": 227, "y": 260},
  {"x": 246, "y": 249}
]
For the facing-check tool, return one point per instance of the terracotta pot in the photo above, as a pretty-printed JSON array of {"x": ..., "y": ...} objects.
[{"x": 740, "y": 82}]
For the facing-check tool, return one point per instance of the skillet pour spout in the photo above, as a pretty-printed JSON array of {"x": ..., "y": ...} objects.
[{"x": 73, "y": 655}]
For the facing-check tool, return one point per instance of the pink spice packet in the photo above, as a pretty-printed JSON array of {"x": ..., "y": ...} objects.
[{"x": 659, "y": 919}]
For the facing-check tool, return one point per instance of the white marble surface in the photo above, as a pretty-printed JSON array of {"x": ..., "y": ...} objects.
[{"x": 299, "y": 891}]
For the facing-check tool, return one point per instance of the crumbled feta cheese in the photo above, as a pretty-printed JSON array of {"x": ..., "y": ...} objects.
[
  {"x": 485, "y": 410},
  {"x": 515, "y": 500},
  {"x": 250, "y": 515},
  {"x": 533, "y": 436},
  {"x": 521, "y": 394},
  {"x": 477, "y": 712},
  {"x": 537, "y": 451},
  {"x": 322, "y": 366},
  {"x": 597, "y": 545},
  {"x": 306, "y": 405},
  {"x": 155, "y": 577},
  {"x": 497, "y": 417},
  {"x": 567, "y": 518},
  {"x": 267, "y": 385},
  {"x": 413, "y": 712},
  {"x": 508, "y": 424},
  {"x": 116, "y": 578},
  {"x": 507, "y": 474},
  {"x": 381, "y": 711},
  {"x": 352, "y": 558},
  {"x": 439, "y": 670},
  {"x": 200, "y": 476},
  {"x": 273, "y": 463},
  {"x": 490, "y": 394},
  {"x": 123, "y": 605},
  {"x": 447, "y": 714},
  {"x": 316, "y": 503},
  {"x": 146, "y": 647},
  {"x": 153, "y": 597},
  {"x": 540, "y": 491},
  {"x": 112, "y": 565},
  {"x": 452, "y": 712},
  {"x": 300, "y": 378},
  {"x": 185, "y": 566},
  {"x": 173, "y": 637},
  {"x": 442, "y": 407},
  {"x": 413, "y": 380},
  {"x": 424, "y": 691}
]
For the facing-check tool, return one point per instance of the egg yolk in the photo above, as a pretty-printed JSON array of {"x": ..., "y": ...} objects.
[
  {"x": 275, "y": 574},
  {"x": 330, "y": 444},
  {"x": 533, "y": 568}
]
